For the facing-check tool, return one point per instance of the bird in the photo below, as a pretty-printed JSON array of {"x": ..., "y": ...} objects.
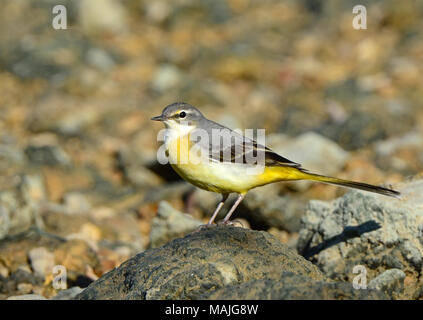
[{"x": 212, "y": 171}]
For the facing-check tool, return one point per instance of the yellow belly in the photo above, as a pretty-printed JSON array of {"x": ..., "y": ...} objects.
[{"x": 216, "y": 177}]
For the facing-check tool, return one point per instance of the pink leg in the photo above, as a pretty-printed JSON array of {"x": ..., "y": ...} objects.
[
  {"x": 237, "y": 202},
  {"x": 219, "y": 206}
]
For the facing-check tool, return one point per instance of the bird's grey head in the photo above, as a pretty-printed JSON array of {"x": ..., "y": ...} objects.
[{"x": 179, "y": 113}]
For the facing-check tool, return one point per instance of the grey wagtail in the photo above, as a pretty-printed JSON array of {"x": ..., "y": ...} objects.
[{"x": 227, "y": 176}]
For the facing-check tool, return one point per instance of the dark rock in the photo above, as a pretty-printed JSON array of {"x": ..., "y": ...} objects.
[
  {"x": 347, "y": 91},
  {"x": 26, "y": 64},
  {"x": 293, "y": 287},
  {"x": 297, "y": 120},
  {"x": 199, "y": 264},
  {"x": 10, "y": 284},
  {"x": 165, "y": 171},
  {"x": 208, "y": 11},
  {"x": 47, "y": 155}
]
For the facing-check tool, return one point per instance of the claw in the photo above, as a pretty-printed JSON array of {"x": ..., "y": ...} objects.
[
  {"x": 233, "y": 223},
  {"x": 202, "y": 227}
]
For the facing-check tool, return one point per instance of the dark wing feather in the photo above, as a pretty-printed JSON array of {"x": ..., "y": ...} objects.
[{"x": 274, "y": 159}]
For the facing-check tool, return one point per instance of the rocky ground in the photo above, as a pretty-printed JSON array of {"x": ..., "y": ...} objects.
[
  {"x": 220, "y": 263},
  {"x": 80, "y": 186}
]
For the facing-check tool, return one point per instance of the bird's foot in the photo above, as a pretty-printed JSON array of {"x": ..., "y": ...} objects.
[
  {"x": 232, "y": 223},
  {"x": 203, "y": 227}
]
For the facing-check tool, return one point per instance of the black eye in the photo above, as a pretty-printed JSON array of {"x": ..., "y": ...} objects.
[{"x": 182, "y": 114}]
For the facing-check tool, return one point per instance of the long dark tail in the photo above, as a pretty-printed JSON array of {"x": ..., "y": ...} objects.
[{"x": 352, "y": 184}]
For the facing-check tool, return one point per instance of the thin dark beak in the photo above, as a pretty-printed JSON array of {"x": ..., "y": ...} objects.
[{"x": 159, "y": 118}]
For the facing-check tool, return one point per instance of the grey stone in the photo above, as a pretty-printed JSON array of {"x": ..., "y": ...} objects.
[
  {"x": 110, "y": 16},
  {"x": 167, "y": 191},
  {"x": 167, "y": 76},
  {"x": 18, "y": 279},
  {"x": 366, "y": 229},
  {"x": 32, "y": 296},
  {"x": 357, "y": 131},
  {"x": 387, "y": 150},
  {"x": 170, "y": 224},
  {"x": 264, "y": 208},
  {"x": 24, "y": 288},
  {"x": 67, "y": 294},
  {"x": 199, "y": 264},
  {"x": 27, "y": 63},
  {"x": 32, "y": 188},
  {"x": 210, "y": 11},
  {"x": 388, "y": 147},
  {"x": 19, "y": 207},
  {"x": 76, "y": 203},
  {"x": 207, "y": 201},
  {"x": 142, "y": 177},
  {"x": 42, "y": 261},
  {"x": 298, "y": 119},
  {"x": 73, "y": 123},
  {"x": 100, "y": 59},
  {"x": 390, "y": 281},
  {"x": 132, "y": 164},
  {"x": 10, "y": 155},
  {"x": 47, "y": 155},
  {"x": 157, "y": 11},
  {"x": 314, "y": 152},
  {"x": 4, "y": 222}
]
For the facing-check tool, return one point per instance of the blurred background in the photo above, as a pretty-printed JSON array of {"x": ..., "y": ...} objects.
[{"x": 80, "y": 185}]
